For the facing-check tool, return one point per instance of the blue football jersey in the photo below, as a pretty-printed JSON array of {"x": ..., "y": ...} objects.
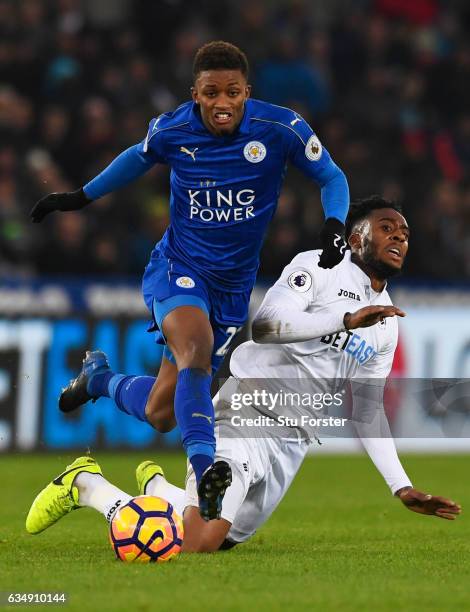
[{"x": 224, "y": 190}]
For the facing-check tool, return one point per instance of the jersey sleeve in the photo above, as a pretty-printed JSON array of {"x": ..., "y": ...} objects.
[
  {"x": 153, "y": 146},
  {"x": 370, "y": 420},
  {"x": 373, "y": 429},
  {"x": 126, "y": 167},
  {"x": 383, "y": 453},
  {"x": 282, "y": 316},
  {"x": 298, "y": 281},
  {"x": 307, "y": 153}
]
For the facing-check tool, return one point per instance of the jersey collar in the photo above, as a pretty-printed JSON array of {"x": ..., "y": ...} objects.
[
  {"x": 244, "y": 127},
  {"x": 196, "y": 123},
  {"x": 362, "y": 278}
]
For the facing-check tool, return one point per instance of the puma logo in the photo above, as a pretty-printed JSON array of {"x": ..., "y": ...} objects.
[
  {"x": 188, "y": 152},
  {"x": 204, "y": 416},
  {"x": 296, "y": 120}
]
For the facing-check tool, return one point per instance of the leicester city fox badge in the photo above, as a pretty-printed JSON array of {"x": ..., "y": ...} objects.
[
  {"x": 186, "y": 282},
  {"x": 254, "y": 152}
]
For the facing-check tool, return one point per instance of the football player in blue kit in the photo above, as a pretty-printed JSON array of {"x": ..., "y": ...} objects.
[{"x": 228, "y": 156}]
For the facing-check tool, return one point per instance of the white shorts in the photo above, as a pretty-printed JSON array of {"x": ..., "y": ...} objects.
[{"x": 263, "y": 468}]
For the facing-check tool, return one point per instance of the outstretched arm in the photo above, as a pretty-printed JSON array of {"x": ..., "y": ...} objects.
[
  {"x": 335, "y": 200},
  {"x": 383, "y": 453},
  {"x": 281, "y": 320},
  {"x": 372, "y": 426},
  {"x": 129, "y": 165},
  {"x": 309, "y": 155},
  {"x": 334, "y": 190}
]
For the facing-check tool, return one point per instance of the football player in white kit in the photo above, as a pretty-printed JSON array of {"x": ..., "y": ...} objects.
[{"x": 314, "y": 324}]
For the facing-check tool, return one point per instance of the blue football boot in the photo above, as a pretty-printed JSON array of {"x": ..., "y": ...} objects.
[{"x": 75, "y": 394}]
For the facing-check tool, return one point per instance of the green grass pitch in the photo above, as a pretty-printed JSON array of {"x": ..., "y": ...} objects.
[{"x": 338, "y": 541}]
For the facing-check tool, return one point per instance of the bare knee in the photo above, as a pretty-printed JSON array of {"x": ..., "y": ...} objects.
[
  {"x": 189, "y": 336},
  {"x": 193, "y": 352}
]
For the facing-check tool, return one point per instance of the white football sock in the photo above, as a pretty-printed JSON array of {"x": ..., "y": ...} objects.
[
  {"x": 160, "y": 487},
  {"x": 96, "y": 492}
]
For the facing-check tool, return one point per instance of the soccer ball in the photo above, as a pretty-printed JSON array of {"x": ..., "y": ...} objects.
[{"x": 146, "y": 529}]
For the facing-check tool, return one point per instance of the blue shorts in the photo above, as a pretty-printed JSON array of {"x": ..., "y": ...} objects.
[{"x": 169, "y": 283}]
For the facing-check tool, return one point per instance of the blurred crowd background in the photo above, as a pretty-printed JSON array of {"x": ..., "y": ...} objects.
[{"x": 385, "y": 84}]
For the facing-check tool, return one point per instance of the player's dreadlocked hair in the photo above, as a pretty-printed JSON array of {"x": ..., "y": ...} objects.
[
  {"x": 220, "y": 55},
  {"x": 359, "y": 210}
]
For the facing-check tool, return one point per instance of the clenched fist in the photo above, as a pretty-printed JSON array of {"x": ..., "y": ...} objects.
[{"x": 73, "y": 200}]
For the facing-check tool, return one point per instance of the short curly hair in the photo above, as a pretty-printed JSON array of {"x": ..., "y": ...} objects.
[
  {"x": 220, "y": 55},
  {"x": 360, "y": 209}
]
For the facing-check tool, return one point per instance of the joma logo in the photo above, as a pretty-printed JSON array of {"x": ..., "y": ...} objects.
[{"x": 349, "y": 294}]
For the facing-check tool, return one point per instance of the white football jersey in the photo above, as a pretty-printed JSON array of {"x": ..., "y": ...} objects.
[
  {"x": 304, "y": 287},
  {"x": 306, "y": 308}
]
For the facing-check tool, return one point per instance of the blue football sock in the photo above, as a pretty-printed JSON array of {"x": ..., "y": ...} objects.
[
  {"x": 98, "y": 384},
  {"x": 131, "y": 393},
  {"x": 194, "y": 414},
  {"x": 200, "y": 464}
]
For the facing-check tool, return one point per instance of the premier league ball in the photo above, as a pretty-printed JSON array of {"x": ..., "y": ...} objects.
[{"x": 147, "y": 529}]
